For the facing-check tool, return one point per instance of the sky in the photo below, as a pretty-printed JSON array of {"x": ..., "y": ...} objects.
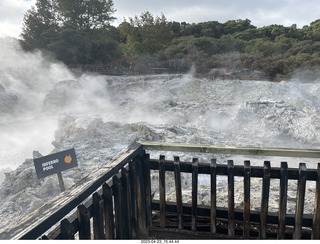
[{"x": 261, "y": 13}]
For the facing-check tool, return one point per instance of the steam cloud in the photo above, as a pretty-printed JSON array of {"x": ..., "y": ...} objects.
[
  {"x": 270, "y": 114},
  {"x": 30, "y": 77}
]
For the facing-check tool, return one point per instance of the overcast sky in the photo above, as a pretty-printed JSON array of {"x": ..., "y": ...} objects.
[{"x": 261, "y": 13}]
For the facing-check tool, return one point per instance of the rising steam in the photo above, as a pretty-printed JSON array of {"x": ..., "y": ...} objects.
[{"x": 268, "y": 114}]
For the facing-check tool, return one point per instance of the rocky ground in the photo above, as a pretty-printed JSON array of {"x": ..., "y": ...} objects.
[{"x": 100, "y": 116}]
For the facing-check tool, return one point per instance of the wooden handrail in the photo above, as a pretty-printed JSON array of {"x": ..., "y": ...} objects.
[
  {"x": 43, "y": 218},
  {"x": 255, "y": 151}
]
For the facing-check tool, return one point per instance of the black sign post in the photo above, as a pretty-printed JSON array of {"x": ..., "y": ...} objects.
[{"x": 55, "y": 164}]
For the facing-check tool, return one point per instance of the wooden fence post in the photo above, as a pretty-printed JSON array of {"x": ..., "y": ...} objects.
[
  {"x": 162, "y": 191},
  {"x": 141, "y": 199},
  {"x": 118, "y": 201},
  {"x": 265, "y": 199},
  {"x": 84, "y": 223},
  {"x": 316, "y": 216},
  {"x": 300, "y": 200},
  {"x": 108, "y": 211},
  {"x": 213, "y": 179},
  {"x": 194, "y": 206},
  {"x": 283, "y": 199},
  {"x": 246, "y": 199},
  {"x": 177, "y": 177},
  {"x": 134, "y": 211},
  {"x": 231, "y": 231},
  {"x": 67, "y": 230},
  {"x": 126, "y": 203},
  {"x": 98, "y": 213},
  {"x": 146, "y": 171}
]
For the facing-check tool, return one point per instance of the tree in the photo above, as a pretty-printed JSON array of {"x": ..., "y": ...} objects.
[
  {"x": 72, "y": 47},
  {"x": 233, "y": 26},
  {"x": 76, "y": 31},
  {"x": 87, "y": 14},
  {"x": 212, "y": 29},
  {"x": 40, "y": 25},
  {"x": 175, "y": 27},
  {"x": 145, "y": 35},
  {"x": 192, "y": 30}
]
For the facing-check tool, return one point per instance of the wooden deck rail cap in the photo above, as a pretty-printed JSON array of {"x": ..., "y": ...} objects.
[{"x": 258, "y": 151}]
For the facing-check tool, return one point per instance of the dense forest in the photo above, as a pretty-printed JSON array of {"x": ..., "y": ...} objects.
[{"x": 81, "y": 32}]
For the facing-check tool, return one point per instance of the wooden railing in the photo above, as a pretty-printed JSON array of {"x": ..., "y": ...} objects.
[{"x": 116, "y": 200}]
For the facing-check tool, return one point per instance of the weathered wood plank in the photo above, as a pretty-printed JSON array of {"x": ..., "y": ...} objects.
[
  {"x": 283, "y": 199},
  {"x": 177, "y": 179},
  {"x": 222, "y": 169},
  {"x": 300, "y": 200},
  {"x": 162, "y": 191},
  {"x": 98, "y": 214},
  {"x": 84, "y": 223},
  {"x": 146, "y": 166},
  {"x": 118, "y": 201},
  {"x": 217, "y": 149},
  {"x": 191, "y": 236},
  {"x": 246, "y": 199},
  {"x": 108, "y": 211},
  {"x": 213, "y": 189},
  {"x": 231, "y": 231},
  {"x": 141, "y": 198},
  {"x": 194, "y": 193},
  {"x": 32, "y": 226},
  {"x": 67, "y": 230},
  {"x": 222, "y": 213},
  {"x": 134, "y": 208},
  {"x": 125, "y": 183},
  {"x": 316, "y": 217},
  {"x": 265, "y": 199}
]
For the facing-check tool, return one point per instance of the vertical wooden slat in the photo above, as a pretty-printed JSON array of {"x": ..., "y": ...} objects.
[
  {"x": 316, "y": 216},
  {"x": 283, "y": 199},
  {"x": 126, "y": 203},
  {"x": 177, "y": 178},
  {"x": 67, "y": 230},
  {"x": 265, "y": 199},
  {"x": 141, "y": 199},
  {"x": 246, "y": 199},
  {"x": 108, "y": 211},
  {"x": 213, "y": 179},
  {"x": 300, "y": 200},
  {"x": 146, "y": 161},
  {"x": 194, "y": 206},
  {"x": 98, "y": 213},
  {"x": 134, "y": 211},
  {"x": 84, "y": 223},
  {"x": 162, "y": 191},
  {"x": 231, "y": 231},
  {"x": 117, "y": 194}
]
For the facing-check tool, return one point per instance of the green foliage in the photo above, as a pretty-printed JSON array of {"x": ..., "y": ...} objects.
[
  {"x": 86, "y": 14},
  {"x": 40, "y": 25},
  {"x": 145, "y": 35},
  {"x": 71, "y": 46},
  {"x": 76, "y": 31},
  {"x": 275, "y": 50},
  {"x": 79, "y": 32}
]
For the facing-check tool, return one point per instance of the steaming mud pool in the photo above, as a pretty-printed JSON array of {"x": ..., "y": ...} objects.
[{"x": 100, "y": 116}]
